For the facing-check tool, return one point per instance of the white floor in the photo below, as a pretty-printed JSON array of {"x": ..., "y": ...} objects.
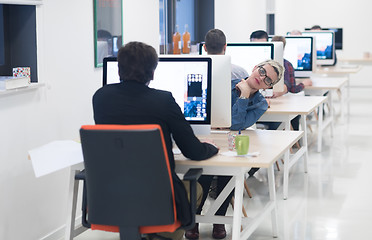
[{"x": 331, "y": 201}]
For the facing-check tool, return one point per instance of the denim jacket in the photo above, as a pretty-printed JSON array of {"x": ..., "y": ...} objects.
[{"x": 245, "y": 112}]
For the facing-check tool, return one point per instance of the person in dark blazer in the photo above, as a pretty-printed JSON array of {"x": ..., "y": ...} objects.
[{"x": 132, "y": 102}]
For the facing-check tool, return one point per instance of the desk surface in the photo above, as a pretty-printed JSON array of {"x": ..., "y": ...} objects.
[
  {"x": 357, "y": 60},
  {"x": 337, "y": 70},
  {"x": 294, "y": 104},
  {"x": 270, "y": 144},
  {"x": 327, "y": 83}
]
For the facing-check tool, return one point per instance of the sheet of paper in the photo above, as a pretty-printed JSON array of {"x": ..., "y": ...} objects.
[
  {"x": 55, "y": 156},
  {"x": 234, "y": 154}
]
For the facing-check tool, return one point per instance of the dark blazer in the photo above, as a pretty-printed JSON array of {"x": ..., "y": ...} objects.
[{"x": 131, "y": 102}]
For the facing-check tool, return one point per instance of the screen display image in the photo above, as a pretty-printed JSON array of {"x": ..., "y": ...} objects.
[
  {"x": 298, "y": 51},
  {"x": 338, "y": 36},
  {"x": 188, "y": 79},
  {"x": 324, "y": 43},
  {"x": 247, "y": 55}
]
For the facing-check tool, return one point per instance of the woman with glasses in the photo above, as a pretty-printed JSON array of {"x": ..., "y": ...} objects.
[{"x": 247, "y": 102}]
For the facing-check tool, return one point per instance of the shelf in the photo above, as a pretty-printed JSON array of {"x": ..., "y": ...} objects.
[
  {"x": 32, "y": 86},
  {"x": 22, "y": 2}
]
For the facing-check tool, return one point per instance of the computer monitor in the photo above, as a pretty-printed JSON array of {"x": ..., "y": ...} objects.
[
  {"x": 221, "y": 91},
  {"x": 189, "y": 81},
  {"x": 110, "y": 71},
  {"x": 325, "y": 46},
  {"x": 300, "y": 52},
  {"x": 338, "y": 36},
  {"x": 248, "y": 55}
]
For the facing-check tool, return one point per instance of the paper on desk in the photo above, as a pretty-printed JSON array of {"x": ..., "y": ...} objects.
[
  {"x": 55, "y": 156},
  {"x": 234, "y": 154}
]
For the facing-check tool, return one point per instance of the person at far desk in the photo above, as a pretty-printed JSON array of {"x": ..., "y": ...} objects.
[
  {"x": 259, "y": 36},
  {"x": 289, "y": 85},
  {"x": 132, "y": 102},
  {"x": 215, "y": 44}
]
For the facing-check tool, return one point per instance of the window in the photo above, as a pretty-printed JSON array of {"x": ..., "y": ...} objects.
[
  {"x": 18, "y": 39},
  {"x": 174, "y": 15}
]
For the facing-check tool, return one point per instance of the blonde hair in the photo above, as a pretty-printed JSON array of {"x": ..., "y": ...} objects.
[
  {"x": 279, "y": 39},
  {"x": 278, "y": 68}
]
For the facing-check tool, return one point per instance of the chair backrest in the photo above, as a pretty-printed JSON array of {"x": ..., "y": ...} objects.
[{"x": 128, "y": 177}]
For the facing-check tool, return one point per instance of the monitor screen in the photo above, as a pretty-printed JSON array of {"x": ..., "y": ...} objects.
[
  {"x": 300, "y": 52},
  {"x": 248, "y": 55},
  {"x": 338, "y": 36},
  {"x": 325, "y": 46},
  {"x": 188, "y": 79}
]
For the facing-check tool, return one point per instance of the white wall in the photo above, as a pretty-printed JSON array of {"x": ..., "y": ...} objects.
[
  {"x": 31, "y": 208},
  {"x": 353, "y": 16},
  {"x": 239, "y": 18}
]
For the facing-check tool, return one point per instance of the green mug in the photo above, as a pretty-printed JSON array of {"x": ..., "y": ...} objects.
[{"x": 241, "y": 144}]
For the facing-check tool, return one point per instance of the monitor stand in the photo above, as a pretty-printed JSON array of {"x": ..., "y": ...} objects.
[{"x": 201, "y": 129}]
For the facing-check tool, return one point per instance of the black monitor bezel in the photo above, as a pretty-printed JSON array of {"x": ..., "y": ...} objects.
[{"x": 104, "y": 72}]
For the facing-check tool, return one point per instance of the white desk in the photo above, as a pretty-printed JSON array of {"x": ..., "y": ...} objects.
[
  {"x": 359, "y": 61},
  {"x": 271, "y": 145},
  {"x": 284, "y": 109},
  {"x": 339, "y": 71},
  {"x": 322, "y": 85}
]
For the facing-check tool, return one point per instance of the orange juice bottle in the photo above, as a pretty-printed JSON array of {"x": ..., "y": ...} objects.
[
  {"x": 186, "y": 41},
  {"x": 176, "y": 42}
]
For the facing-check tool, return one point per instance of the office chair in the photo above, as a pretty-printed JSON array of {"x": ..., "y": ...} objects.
[{"x": 128, "y": 182}]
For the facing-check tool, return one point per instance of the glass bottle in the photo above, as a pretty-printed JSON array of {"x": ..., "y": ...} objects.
[
  {"x": 176, "y": 42},
  {"x": 186, "y": 41}
]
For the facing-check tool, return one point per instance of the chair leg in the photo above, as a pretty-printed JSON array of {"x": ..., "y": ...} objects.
[
  {"x": 316, "y": 115},
  {"x": 247, "y": 189},
  {"x": 277, "y": 165},
  {"x": 243, "y": 209}
]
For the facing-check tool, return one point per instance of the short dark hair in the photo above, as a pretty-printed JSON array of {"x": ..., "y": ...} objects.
[
  {"x": 260, "y": 34},
  {"x": 215, "y": 40},
  {"x": 316, "y": 27},
  {"x": 137, "y": 61}
]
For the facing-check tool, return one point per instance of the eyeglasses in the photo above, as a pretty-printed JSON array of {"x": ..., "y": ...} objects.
[{"x": 268, "y": 81}]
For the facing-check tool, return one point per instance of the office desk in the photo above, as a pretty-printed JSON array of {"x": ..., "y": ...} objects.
[
  {"x": 284, "y": 109},
  {"x": 322, "y": 85},
  {"x": 361, "y": 61},
  {"x": 339, "y": 71},
  {"x": 271, "y": 145}
]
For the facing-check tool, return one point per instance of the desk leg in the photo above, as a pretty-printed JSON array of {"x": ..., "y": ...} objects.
[
  {"x": 71, "y": 208},
  {"x": 332, "y": 113},
  {"x": 320, "y": 127},
  {"x": 286, "y": 163},
  {"x": 285, "y": 174},
  {"x": 274, "y": 216},
  {"x": 347, "y": 98},
  {"x": 237, "y": 218},
  {"x": 303, "y": 141}
]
